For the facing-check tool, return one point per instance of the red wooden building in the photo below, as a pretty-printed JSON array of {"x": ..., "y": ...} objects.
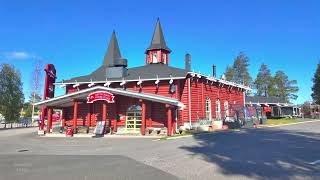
[{"x": 139, "y": 99}]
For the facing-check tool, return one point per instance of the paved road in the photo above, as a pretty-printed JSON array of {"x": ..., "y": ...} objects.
[{"x": 268, "y": 153}]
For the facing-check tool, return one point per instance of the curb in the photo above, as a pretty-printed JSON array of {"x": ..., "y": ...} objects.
[
  {"x": 92, "y": 136},
  {"x": 197, "y": 134}
]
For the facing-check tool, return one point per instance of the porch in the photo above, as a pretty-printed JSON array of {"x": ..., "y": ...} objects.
[{"x": 127, "y": 112}]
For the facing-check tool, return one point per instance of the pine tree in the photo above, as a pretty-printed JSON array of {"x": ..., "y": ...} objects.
[
  {"x": 239, "y": 73},
  {"x": 264, "y": 81},
  {"x": 229, "y": 74},
  {"x": 316, "y": 85},
  {"x": 285, "y": 89},
  {"x": 11, "y": 98}
]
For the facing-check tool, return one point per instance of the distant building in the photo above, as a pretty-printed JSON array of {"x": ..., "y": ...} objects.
[{"x": 274, "y": 106}]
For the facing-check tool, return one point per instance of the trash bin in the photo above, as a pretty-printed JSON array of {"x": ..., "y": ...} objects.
[{"x": 69, "y": 132}]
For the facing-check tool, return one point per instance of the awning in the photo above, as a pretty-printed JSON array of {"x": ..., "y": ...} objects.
[{"x": 67, "y": 99}]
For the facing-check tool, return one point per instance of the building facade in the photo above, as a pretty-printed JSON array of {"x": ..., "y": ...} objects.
[
  {"x": 155, "y": 96},
  {"x": 274, "y": 107}
]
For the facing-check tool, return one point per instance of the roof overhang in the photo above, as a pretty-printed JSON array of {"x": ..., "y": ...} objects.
[
  {"x": 67, "y": 99},
  {"x": 221, "y": 81},
  {"x": 119, "y": 81},
  {"x": 271, "y": 104},
  {"x": 189, "y": 74}
]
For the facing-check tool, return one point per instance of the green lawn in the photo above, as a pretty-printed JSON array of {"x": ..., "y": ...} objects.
[{"x": 286, "y": 121}]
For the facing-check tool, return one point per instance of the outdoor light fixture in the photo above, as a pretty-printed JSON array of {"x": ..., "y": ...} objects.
[
  {"x": 107, "y": 84},
  {"x": 171, "y": 80},
  {"x": 91, "y": 84},
  {"x": 157, "y": 81},
  {"x": 76, "y": 84},
  {"x": 139, "y": 82},
  {"x": 123, "y": 82},
  {"x": 62, "y": 86}
]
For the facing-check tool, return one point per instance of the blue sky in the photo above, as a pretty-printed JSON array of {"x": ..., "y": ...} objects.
[{"x": 73, "y": 35}]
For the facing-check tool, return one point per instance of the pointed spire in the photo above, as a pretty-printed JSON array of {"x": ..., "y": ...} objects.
[
  {"x": 158, "y": 41},
  {"x": 113, "y": 52}
]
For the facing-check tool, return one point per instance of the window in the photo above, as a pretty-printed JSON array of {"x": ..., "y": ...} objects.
[
  {"x": 155, "y": 57},
  {"x": 218, "y": 112},
  {"x": 208, "y": 109},
  {"x": 164, "y": 58},
  {"x": 226, "y": 108}
]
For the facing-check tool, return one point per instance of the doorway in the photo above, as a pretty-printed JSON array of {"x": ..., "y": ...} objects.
[{"x": 133, "y": 119}]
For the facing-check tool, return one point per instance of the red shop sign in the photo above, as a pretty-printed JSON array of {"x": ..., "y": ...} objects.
[{"x": 100, "y": 95}]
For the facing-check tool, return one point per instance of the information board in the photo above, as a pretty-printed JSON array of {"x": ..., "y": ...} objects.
[{"x": 99, "y": 129}]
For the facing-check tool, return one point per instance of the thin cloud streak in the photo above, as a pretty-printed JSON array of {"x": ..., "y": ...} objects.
[{"x": 17, "y": 55}]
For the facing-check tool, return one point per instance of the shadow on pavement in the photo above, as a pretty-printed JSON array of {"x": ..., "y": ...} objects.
[
  {"x": 93, "y": 167},
  {"x": 261, "y": 153}
]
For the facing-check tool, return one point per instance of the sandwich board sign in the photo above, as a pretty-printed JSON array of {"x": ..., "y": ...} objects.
[{"x": 99, "y": 129}]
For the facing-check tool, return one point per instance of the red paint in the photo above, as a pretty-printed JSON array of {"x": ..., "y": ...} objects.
[
  {"x": 49, "y": 122},
  {"x": 174, "y": 123},
  {"x": 69, "y": 132},
  {"x": 89, "y": 115},
  {"x": 162, "y": 56},
  {"x": 104, "y": 111},
  {"x": 50, "y": 79},
  {"x": 169, "y": 132},
  {"x": 75, "y": 117},
  {"x": 43, "y": 114},
  {"x": 149, "y": 114},
  {"x": 116, "y": 116},
  {"x": 100, "y": 95},
  {"x": 143, "y": 118},
  {"x": 156, "y": 112}
]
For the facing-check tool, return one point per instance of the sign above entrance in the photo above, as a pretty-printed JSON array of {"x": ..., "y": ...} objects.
[{"x": 100, "y": 96}]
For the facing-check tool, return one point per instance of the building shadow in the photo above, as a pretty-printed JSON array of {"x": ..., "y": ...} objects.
[{"x": 261, "y": 153}]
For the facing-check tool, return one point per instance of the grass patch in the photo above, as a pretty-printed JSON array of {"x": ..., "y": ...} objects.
[{"x": 286, "y": 121}]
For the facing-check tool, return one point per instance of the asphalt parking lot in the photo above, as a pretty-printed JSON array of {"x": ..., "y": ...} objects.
[{"x": 287, "y": 152}]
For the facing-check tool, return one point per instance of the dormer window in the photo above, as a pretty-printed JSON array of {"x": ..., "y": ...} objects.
[{"x": 154, "y": 57}]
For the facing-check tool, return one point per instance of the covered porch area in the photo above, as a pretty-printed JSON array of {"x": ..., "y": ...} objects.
[{"x": 122, "y": 111}]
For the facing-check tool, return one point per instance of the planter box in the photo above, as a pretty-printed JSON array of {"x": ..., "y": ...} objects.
[{"x": 217, "y": 124}]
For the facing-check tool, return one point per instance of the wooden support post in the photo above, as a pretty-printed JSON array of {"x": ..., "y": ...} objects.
[
  {"x": 43, "y": 114},
  {"x": 63, "y": 120},
  {"x": 117, "y": 115},
  {"x": 88, "y": 116},
  {"x": 75, "y": 116},
  {"x": 104, "y": 111},
  {"x": 143, "y": 118},
  {"x": 169, "y": 113},
  {"x": 174, "y": 123},
  {"x": 149, "y": 110},
  {"x": 49, "y": 122}
]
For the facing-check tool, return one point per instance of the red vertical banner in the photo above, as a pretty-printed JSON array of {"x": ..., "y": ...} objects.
[{"x": 48, "y": 93}]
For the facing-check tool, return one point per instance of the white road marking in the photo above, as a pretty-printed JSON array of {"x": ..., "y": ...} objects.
[{"x": 315, "y": 162}]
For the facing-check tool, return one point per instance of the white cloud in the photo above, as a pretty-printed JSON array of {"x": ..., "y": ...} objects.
[{"x": 17, "y": 55}]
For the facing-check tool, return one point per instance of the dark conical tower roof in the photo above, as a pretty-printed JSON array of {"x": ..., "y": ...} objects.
[
  {"x": 158, "y": 41},
  {"x": 113, "y": 52}
]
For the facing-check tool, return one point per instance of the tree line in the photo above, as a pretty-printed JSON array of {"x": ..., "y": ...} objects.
[
  {"x": 12, "y": 105},
  {"x": 265, "y": 84}
]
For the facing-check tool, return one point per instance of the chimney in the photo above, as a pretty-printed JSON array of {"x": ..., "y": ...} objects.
[
  {"x": 214, "y": 71},
  {"x": 188, "y": 62}
]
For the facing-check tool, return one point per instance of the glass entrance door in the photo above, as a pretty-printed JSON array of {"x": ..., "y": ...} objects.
[
  {"x": 133, "y": 122},
  {"x": 133, "y": 119}
]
